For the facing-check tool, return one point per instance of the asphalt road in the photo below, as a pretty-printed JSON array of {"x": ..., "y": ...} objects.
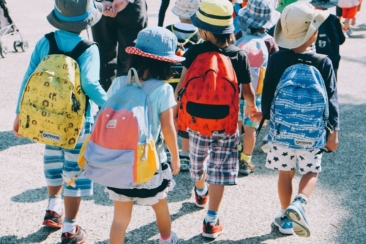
[{"x": 336, "y": 210}]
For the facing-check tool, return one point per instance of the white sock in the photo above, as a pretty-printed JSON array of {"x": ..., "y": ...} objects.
[
  {"x": 203, "y": 191},
  {"x": 69, "y": 226},
  {"x": 303, "y": 199},
  {"x": 55, "y": 203}
]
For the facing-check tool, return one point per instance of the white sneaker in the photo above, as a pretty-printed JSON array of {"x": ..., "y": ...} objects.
[{"x": 173, "y": 239}]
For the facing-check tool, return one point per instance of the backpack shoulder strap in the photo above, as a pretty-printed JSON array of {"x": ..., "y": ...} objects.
[
  {"x": 151, "y": 85},
  {"x": 53, "y": 44},
  {"x": 80, "y": 49},
  {"x": 313, "y": 60}
]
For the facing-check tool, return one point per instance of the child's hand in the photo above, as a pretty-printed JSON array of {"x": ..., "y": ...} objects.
[
  {"x": 249, "y": 110},
  {"x": 256, "y": 117},
  {"x": 108, "y": 9},
  {"x": 120, "y": 5},
  {"x": 332, "y": 141},
  {"x": 16, "y": 126},
  {"x": 175, "y": 162}
]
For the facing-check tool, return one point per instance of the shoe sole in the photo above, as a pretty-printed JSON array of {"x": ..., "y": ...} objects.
[
  {"x": 301, "y": 228},
  {"x": 212, "y": 236},
  {"x": 79, "y": 242},
  {"x": 50, "y": 223},
  {"x": 201, "y": 205},
  {"x": 284, "y": 231}
]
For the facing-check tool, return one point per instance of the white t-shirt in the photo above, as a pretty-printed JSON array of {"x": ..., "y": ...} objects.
[{"x": 347, "y": 3}]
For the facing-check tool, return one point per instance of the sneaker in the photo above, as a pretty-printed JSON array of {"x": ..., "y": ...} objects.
[
  {"x": 212, "y": 231},
  {"x": 184, "y": 163},
  {"x": 349, "y": 32},
  {"x": 265, "y": 147},
  {"x": 173, "y": 239},
  {"x": 52, "y": 219},
  {"x": 285, "y": 226},
  {"x": 78, "y": 237},
  {"x": 201, "y": 201},
  {"x": 345, "y": 34},
  {"x": 296, "y": 213}
]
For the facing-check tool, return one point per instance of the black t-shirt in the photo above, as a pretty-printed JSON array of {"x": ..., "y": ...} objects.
[
  {"x": 277, "y": 65},
  {"x": 237, "y": 56}
]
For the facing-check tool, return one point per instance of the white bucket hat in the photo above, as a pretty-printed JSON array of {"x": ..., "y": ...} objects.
[
  {"x": 185, "y": 8},
  {"x": 299, "y": 21}
]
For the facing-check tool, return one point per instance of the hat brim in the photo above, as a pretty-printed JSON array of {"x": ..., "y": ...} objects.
[
  {"x": 184, "y": 14},
  {"x": 211, "y": 28},
  {"x": 78, "y": 26},
  {"x": 280, "y": 8},
  {"x": 246, "y": 20},
  {"x": 323, "y": 4},
  {"x": 170, "y": 59},
  {"x": 291, "y": 43}
]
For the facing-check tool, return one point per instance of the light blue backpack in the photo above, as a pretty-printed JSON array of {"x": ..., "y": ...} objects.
[
  {"x": 121, "y": 150},
  {"x": 299, "y": 109}
]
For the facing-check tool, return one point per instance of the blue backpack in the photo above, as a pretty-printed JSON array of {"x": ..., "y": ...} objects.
[{"x": 299, "y": 109}]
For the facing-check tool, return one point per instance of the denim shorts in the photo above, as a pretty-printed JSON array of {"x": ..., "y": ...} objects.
[{"x": 242, "y": 106}]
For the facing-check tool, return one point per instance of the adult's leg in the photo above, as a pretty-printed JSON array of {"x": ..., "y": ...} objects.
[
  {"x": 124, "y": 40},
  {"x": 163, "y": 7},
  {"x": 121, "y": 220},
  {"x": 105, "y": 34}
]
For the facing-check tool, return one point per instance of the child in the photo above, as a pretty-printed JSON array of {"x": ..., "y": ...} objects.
[
  {"x": 253, "y": 21},
  {"x": 349, "y": 12},
  {"x": 215, "y": 24},
  {"x": 330, "y": 35},
  {"x": 60, "y": 162},
  {"x": 301, "y": 21},
  {"x": 154, "y": 51},
  {"x": 187, "y": 35}
]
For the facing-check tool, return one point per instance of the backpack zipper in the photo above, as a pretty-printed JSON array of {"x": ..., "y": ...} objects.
[{"x": 27, "y": 123}]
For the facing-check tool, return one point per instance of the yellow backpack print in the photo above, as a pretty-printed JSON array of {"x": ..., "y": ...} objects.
[{"x": 53, "y": 105}]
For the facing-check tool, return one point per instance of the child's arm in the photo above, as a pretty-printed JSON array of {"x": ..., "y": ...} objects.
[
  {"x": 170, "y": 138},
  {"x": 249, "y": 97}
]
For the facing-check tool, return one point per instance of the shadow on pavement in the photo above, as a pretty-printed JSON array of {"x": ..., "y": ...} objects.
[
  {"x": 36, "y": 237},
  {"x": 31, "y": 195},
  {"x": 8, "y": 139}
]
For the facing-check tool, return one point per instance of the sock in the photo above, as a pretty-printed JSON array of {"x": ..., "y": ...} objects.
[
  {"x": 202, "y": 191},
  {"x": 69, "y": 225},
  {"x": 282, "y": 212},
  {"x": 167, "y": 238},
  {"x": 212, "y": 217},
  {"x": 246, "y": 158},
  {"x": 184, "y": 154},
  {"x": 302, "y": 198},
  {"x": 55, "y": 203}
]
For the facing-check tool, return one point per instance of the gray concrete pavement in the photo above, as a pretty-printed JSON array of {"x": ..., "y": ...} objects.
[{"x": 336, "y": 210}]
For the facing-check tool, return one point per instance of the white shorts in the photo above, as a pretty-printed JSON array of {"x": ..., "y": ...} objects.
[{"x": 281, "y": 158}]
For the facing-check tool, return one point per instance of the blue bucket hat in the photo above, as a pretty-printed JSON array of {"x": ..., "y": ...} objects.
[
  {"x": 324, "y": 3},
  {"x": 258, "y": 14},
  {"x": 157, "y": 43}
]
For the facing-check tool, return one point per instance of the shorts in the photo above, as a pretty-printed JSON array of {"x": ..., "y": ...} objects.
[
  {"x": 281, "y": 158},
  {"x": 349, "y": 13},
  {"x": 60, "y": 162},
  {"x": 242, "y": 106},
  {"x": 217, "y": 155}
]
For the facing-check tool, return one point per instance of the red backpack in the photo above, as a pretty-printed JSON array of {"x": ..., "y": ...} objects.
[{"x": 209, "y": 97}]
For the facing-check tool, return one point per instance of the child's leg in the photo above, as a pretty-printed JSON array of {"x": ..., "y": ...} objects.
[
  {"x": 163, "y": 218},
  {"x": 184, "y": 154},
  {"x": 185, "y": 145},
  {"x": 216, "y": 192},
  {"x": 249, "y": 139},
  {"x": 285, "y": 187},
  {"x": 121, "y": 220},
  {"x": 307, "y": 183},
  {"x": 346, "y": 24}
]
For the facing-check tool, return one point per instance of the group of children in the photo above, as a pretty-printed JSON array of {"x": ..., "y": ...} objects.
[{"x": 214, "y": 161}]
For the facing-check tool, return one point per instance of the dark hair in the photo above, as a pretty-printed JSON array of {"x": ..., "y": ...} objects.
[
  {"x": 222, "y": 38},
  {"x": 157, "y": 69},
  {"x": 255, "y": 30}
]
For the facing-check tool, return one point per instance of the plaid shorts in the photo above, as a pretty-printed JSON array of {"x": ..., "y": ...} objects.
[
  {"x": 217, "y": 155},
  {"x": 58, "y": 161}
]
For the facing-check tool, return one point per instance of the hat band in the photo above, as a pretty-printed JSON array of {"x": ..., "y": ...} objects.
[
  {"x": 213, "y": 16},
  {"x": 73, "y": 18}
]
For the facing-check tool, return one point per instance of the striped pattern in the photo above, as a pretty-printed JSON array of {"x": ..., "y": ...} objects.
[{"x": 58, "y": 161}]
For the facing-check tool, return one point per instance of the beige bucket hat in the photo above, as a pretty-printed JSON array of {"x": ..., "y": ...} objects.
[{"x": 298, "y": 22}]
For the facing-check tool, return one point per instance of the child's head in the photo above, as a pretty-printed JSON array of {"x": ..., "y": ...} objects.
[
  {"x": 282, "y": 4},
  {"x": 75, "y": 15},
  {"x": 184, "y": 9},
  {"x": 258, "y": 14},
  {"x": 153, "y": 53},
  {"x": 298, "y": 25},
  {"x": 214, "y": 21},
  {"x": 324, "y": 4}
]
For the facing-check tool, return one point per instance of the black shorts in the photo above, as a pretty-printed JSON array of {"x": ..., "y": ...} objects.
[{"x": 338, "y": 11}]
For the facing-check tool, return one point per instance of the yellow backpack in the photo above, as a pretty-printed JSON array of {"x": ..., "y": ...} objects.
[{"x": 53, "y": 105}]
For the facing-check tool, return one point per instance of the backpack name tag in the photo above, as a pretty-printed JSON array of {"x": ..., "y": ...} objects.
[
  {"x": 50, "y": 136},
  {"x": 302, "y": 143},
  {"x": 111, "y": 124}
]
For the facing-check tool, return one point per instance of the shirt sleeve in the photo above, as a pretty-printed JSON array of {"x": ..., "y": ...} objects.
[
  {"x": 89, "y": 64},
  {"x": 331, "y": 87},
  {"x": 166, "y": 98},
  {"x": 269, "y": 86},
  {"x": 242, "y": 69},
  {"x": 40, "y": 51}
]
